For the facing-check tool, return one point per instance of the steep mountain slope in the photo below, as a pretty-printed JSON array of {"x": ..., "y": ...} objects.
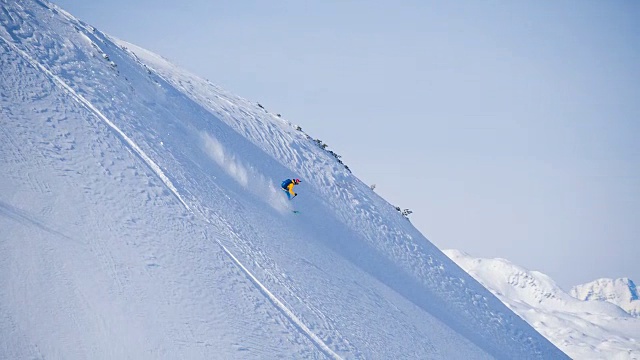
[
  {"x": 621, "y": 292},
  {"x": 582, "y": 329},
  {"x": 141, "y": 218}
]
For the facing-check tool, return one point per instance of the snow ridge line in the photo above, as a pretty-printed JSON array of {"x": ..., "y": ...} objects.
[{"x": 155, "y": 168}]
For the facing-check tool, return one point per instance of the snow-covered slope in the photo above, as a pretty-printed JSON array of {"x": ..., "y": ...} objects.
[
  {"x": 140, "y": 217},
  {"x": 622, "y": 292},
  {"x": 582, "y": 329}
]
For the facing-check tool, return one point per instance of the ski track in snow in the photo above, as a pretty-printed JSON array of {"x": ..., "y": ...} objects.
[
  {"x": 154, "y": 167},
  {"x": 350, "y": 277},
  {"x": 274, "y": 137},
  {"x": 158, "y": 171}
]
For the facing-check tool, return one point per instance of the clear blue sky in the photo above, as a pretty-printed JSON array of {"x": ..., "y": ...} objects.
[{"x": 511, "y": 129}]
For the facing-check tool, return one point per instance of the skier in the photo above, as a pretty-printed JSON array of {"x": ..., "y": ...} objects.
[{"x": 287, "y": 186}]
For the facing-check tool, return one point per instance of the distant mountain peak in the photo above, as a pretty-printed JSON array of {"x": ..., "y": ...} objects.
[
  {"x": 621, "y": 292},
  {"x": 506, "y": 278},
  {"x": 595, "y": 321}
]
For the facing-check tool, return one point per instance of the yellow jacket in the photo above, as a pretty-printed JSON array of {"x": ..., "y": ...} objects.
[{"x": 290, "y": 189}]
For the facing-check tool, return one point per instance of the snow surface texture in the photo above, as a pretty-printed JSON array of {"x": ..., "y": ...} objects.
[
  {"x": 582, "y": 328},
  {"x": 622, "y": 292},
  {"x": 141, "y": 218}
]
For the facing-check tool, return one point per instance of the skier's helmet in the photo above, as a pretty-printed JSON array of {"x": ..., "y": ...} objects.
[{"x": 297, "y": 181}]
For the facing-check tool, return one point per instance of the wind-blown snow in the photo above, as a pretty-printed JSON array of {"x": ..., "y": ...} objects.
[
  {"x": 141, "y": 217},
  {"x": 582, "y": 329}
]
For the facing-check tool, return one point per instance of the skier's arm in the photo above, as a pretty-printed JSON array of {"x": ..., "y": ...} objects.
[{"x": 290, "y": 188}]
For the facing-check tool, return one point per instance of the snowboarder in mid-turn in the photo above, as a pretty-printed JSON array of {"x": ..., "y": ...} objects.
[{"x": 287, "y": 186}]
